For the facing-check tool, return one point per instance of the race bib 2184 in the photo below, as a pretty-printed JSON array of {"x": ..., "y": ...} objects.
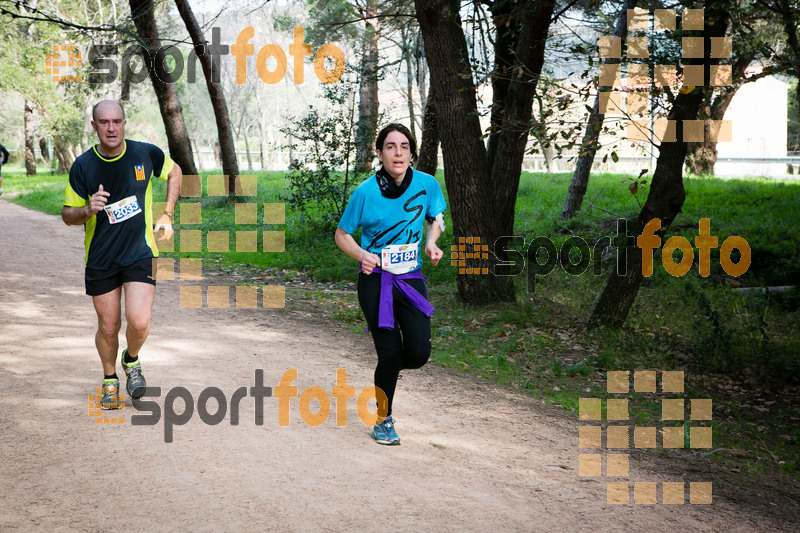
[{"x": 399, "y": 258}]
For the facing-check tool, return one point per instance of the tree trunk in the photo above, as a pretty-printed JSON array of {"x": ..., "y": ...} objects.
[
  {"x": 429, "y": 146},
  {"x": 797, "y": 92},
  {"x": 180, "y": 150},
  {"x": 512, "y": 137},
  {"x": 66, "y": 156},
  {"x": 196, "y": 152},
  {"x": 217, "y": 157},
  {"x": 788, "y": 12},
  {"x": 262, "y": 156},
  {"x": 30, "y": 155},
  {"x": 421, "y": 67},
  {"x": 87, "y": 128},
  {"x": 589, "y": 145},
  {"x": 261, "y": 143},
  {"x": 211, "y": 71},
  {"x": 666, "y": 195},
  {"x": 507, "y": 27},
  {"x": 482, "y": 188},
  {"x": 60, "y": 154},
  {"x": 247, "y": 150},
  {"x": 263, "y": 131},
  {"x": 539, "y": 132},
  {"x": 43, "y": 149},
  {"x": 548, "y": 151},
  {"x": 466, "y": 168},
  {"x": 702, "y": 156},
  {"x": 405, "y": 38},
  {"x": 368, "y": 92}
]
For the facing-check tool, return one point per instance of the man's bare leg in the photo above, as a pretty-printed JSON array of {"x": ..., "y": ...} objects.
[
  {"x": 109, "y": 321},
  {"x": 139, "y": 299}
]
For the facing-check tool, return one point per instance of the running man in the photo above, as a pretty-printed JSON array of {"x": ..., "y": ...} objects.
[
  {"x": 391, "y": 208},
  {"x": 3, "y": 161},
  {"x": 110, "y": 193}
]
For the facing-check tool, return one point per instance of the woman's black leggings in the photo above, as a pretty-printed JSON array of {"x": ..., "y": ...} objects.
[{"x": 408, "y": 345}]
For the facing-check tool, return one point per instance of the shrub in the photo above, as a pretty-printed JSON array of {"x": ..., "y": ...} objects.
[{"x": 320, "y": 183}]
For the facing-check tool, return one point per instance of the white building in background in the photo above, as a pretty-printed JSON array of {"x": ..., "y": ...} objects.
[
  {"x": 759, "y": 130},
  {"x": 758, "y": 115}
]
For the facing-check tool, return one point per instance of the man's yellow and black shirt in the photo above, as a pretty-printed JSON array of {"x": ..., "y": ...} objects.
[{"x": 120, "y": 236}]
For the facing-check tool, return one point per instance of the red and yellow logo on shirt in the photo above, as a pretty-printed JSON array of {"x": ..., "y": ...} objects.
[{"x": 139, "y": 172}]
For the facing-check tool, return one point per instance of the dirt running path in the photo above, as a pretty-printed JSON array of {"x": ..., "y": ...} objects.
[{"x": 474, "y": 457}]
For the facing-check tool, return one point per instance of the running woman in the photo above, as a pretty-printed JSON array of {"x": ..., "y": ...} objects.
[
  {"x": 391, "y": 208},
  {"x": 110, "y": 193}
]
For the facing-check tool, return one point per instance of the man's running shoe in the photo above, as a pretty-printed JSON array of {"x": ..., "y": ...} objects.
[
  {"x": 384, "y": 432},
  {"x": 135, "y": 384},
  {"x": 110, "y": 398}
]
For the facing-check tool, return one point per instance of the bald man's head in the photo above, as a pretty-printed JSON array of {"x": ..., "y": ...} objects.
[
  {"x": 106, "y": 104},
  {"x": 108, "y": 121}
]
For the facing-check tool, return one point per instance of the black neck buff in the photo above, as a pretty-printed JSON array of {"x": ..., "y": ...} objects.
[{"x": 389, "y": 188}]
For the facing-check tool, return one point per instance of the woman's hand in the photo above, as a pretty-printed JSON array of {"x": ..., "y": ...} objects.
[
  {"x": 348, "y": 245},
  {"x": 369, "y": 262},
  {"x": 433, "y": 251}
]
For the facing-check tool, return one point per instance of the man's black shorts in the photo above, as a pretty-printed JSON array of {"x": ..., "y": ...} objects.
[{"x": 102, "y": 281}]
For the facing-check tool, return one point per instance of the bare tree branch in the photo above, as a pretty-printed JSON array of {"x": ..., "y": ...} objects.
[
  {"x": 566, "y": 8},
  {"x": 362, "y": 19},
  {"x": 5, "y": 9}
]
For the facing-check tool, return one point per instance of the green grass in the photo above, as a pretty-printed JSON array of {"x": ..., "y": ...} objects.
[
  {"x": 306, "y": 249},
  {"x": 539, "y": 344},
  {"x": 762, "y": 211},
  {"x": 43, "y": 192}
]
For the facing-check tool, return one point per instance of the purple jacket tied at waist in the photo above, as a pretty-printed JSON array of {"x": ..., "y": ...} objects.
[{"x": 386, "y": 305}]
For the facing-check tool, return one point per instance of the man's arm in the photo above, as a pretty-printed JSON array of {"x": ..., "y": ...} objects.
[
  {"x": 74, "y": 216},
  {"x": 173, "y": 192},
  {"x": 4, "y": 154}
]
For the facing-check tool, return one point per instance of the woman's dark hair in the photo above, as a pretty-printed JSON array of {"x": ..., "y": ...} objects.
[{"x": 412, "y": 142}]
